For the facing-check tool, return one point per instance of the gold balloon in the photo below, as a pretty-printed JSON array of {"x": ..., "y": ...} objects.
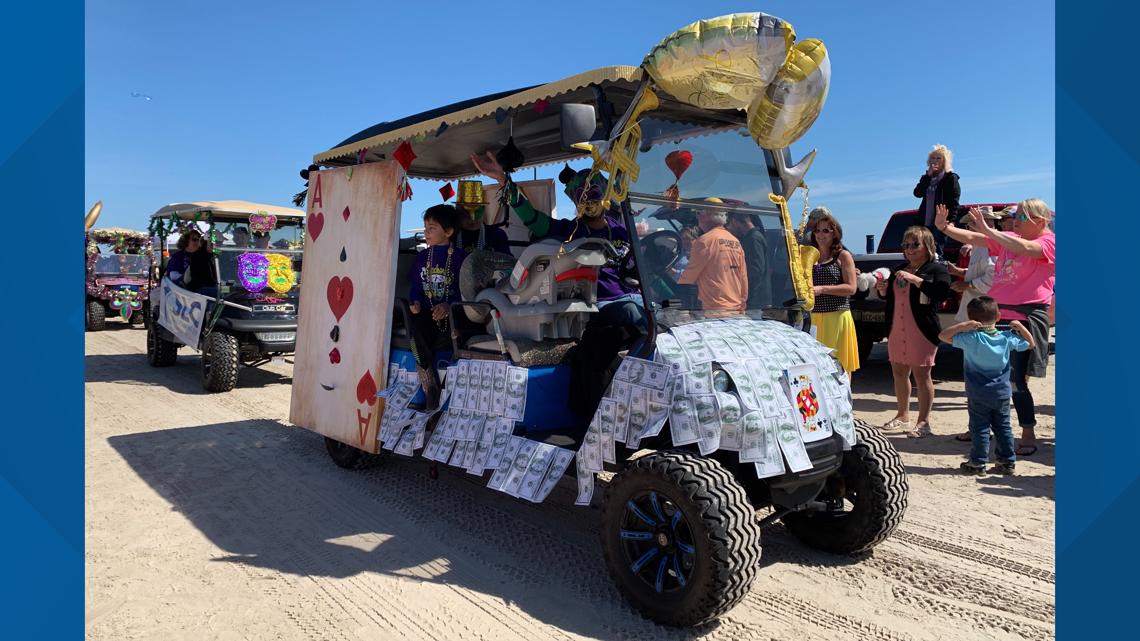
[
  {"x": 92, "y": 215},
  {"x": 790, "y": 105},
  {"x": 721, "y": 63}
]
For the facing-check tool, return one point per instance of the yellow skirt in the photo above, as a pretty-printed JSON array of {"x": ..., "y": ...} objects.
[{"x": 837, "y": 331}]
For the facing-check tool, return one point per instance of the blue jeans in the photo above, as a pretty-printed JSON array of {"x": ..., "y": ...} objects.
[
  {"x": 623, "y": 310},
  {"x": 986, "y": 416}
]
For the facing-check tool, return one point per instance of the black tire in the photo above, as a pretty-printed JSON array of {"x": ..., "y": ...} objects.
[
  {"x": 220, "y": 362},
  {"x": 347, "y": 456},
  {"x": 872, "y": 492},
  {"x": 96, "y": 318},
  {"x": 159, "y": 351},
  {"x": 139, "y": 317},
  {"x": 705, "y": 534}
]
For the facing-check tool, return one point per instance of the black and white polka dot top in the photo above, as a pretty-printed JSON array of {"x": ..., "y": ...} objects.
[{"x": 828, "y": 273}]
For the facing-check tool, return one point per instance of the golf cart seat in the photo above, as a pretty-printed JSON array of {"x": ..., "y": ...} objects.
[{"x": 551, "y": 292}]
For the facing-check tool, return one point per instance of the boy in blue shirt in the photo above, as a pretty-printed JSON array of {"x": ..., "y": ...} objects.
[
  {"x": 434, "y": 286},
  {"x": 986, "y": 355}
]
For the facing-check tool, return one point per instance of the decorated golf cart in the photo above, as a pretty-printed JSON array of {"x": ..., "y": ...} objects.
[
  {"x": 704, "y": 415},
  {"x": 119, "y": 266},
  {"x": 235, "y": 298}
]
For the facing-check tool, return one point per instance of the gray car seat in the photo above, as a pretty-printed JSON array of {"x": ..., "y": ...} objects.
[{"x": 552, "y": 290}]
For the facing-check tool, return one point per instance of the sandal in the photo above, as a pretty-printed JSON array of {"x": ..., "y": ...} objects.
[
  {"x": 964, "y": 437},
  {"x": 895, "y": 424},
  {"x": 921, "y": 429}
]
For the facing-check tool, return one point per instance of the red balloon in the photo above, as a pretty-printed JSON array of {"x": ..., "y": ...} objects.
[{"x": 678, "y": 162}]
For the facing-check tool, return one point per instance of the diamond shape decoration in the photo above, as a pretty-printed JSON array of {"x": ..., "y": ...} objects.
[
  {"x": 404, "y": 155},
  {"x": 447, "y": 192}
]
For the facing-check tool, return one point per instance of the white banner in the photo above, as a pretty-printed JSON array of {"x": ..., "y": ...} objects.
[{"x": 182, "y": 312}]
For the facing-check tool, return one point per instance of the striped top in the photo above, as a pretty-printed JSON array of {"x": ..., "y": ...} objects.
[{"x": 828, "y": 273}]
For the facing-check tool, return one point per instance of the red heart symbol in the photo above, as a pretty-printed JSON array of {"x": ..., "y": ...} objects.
[
  {"x": 339, "y": 295},
  {"x": 334, "y": 356},
  {"x": 366, "y": 389},
  {"x": 346, "y": 213},
  {"x": 316, "y": 224}
]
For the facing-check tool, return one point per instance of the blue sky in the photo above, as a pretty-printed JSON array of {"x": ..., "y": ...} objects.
[{"x": 243, "y": 94}]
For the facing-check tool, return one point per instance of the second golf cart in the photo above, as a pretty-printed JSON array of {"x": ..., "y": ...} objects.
[{"x": 227, "y": 288}]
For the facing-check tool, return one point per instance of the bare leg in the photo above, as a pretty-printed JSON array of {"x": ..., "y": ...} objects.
[
  {"x": 901, "y": 375},
  {"x": 925, "y": 384}
]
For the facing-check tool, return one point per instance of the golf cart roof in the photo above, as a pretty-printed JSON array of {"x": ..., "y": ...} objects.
[
  {"x": 478, "y": 125},
  {"x": 223, "y": 208},
  {"x": 109, "y": 234}
]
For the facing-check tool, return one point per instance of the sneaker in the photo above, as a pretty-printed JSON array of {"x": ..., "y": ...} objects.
[
  {"x": 1005, "y": 469},
  {"x": 970, "y": 467}
]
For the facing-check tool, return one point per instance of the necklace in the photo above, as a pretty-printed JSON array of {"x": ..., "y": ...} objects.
[{"x": 445, "y": 285}]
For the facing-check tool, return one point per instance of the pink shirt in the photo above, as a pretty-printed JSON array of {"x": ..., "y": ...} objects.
[{"x": 1019, "y": 279}]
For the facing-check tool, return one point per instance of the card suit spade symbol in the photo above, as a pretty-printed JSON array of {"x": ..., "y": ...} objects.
[
  {"x": 335, "y": 333},
  {"x": 343, "y": 255},
  {"x": 316, "y": 224},
  {"x": 334, "y": 356},
  {"x": 340, "y": 295},
  {"x": 346, "y": 213},
  {"x": 366, "y": 389}
]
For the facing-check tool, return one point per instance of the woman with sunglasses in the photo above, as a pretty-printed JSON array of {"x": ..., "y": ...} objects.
[
  {"x": 913, "y": 292},
  {"x": 1024, "y": 276},
  {"x": 189, "y": 243},
  {"x": 833, "y": 278},
  {"x": 938, "y": 186}
]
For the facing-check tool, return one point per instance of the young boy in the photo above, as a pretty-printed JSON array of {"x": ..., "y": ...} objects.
[
  {"x": 986, "y": 354},
  {"x": 434, "y": 286}
]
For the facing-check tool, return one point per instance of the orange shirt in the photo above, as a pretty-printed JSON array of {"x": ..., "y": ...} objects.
[{"x": 716, "y": 265}]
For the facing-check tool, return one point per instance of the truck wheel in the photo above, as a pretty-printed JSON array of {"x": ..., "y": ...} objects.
[
  {"x": 159, "y": 351},
  {"x": 867, "y": 496},
  {"x": 96, "y": 316},
  {"x": 220, "y": 362},
  {"x": 680, "y": 538},
  {"x": 139, "y": 317},
  {"x": 347, "y": 456}
]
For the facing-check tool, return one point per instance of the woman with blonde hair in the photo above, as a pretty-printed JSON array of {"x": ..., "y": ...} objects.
[
  {"x": 913, "y": 292},
  {"x": 833, "y": 279},
  {"x": 1024, "y": 276},
  {"x": 938, "y": 186}
]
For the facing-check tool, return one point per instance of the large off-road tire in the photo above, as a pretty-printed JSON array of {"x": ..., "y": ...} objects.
[
  {"x": 347, "y": 456},
  {"x": 869, "y": 494},
  {"x": 139, "y": 317},
  {"x": 220, "y": 362},
  {"x": 159, "y": 351},
  {"x": 96, "y": 316},
  {"x": 680, "y": 538}
]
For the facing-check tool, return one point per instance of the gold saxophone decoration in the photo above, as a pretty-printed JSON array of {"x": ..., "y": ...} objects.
[
  {"x": 620, "y": 160},
  {"x": 801, "y": 258}
]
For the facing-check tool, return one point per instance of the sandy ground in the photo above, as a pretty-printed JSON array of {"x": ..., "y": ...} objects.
[{"x": 209, "y": 517}]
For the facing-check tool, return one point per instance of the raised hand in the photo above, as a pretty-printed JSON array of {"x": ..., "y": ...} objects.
[
  {"x": 489, "y": 166},
  {"x": 941, "y": 216}
]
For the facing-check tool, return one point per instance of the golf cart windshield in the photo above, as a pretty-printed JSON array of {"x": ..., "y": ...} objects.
[
  {"x": 724, "y": 165},
  {"x": 121, "y": 264}
]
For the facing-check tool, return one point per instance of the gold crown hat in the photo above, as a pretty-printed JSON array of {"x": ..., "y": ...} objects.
[{"x": 470, "y": 196}]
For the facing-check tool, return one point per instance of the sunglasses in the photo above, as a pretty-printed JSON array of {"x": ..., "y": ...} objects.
[
  {"x": 824, "y": 231},
  {"x": 591, "y": 192},
  {"x": 1023, "y": 217},
  {"x": 911, "y": 245},
  {"x": 195, "y": 239}
]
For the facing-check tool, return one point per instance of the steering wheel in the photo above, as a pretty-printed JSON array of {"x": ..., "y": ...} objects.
[{"x": 661, "y": 249}]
